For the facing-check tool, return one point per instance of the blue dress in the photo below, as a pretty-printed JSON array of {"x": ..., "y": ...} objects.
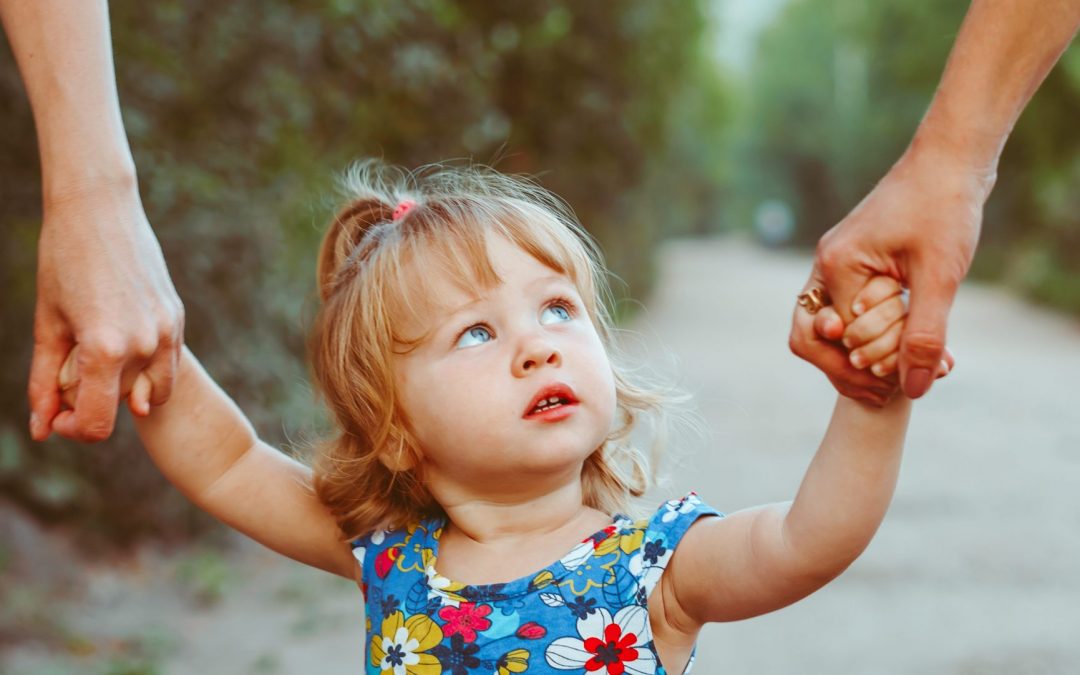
[{"x": 586, "y": 613}]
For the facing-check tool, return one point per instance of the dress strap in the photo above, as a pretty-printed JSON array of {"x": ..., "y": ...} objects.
[{"x": 665, "y": 529}]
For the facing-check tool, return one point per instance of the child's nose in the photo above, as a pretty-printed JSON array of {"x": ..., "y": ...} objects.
[{"x": 534, "y": 354}]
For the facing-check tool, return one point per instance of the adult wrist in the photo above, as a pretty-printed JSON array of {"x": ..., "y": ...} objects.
[
  {"x": 962, "y": 142},
  {"x": 960, "y": 158},
  {"x": 75, "y": 182}
]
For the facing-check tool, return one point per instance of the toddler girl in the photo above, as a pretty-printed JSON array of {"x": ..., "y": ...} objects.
[{"x": 477, "y": 486}]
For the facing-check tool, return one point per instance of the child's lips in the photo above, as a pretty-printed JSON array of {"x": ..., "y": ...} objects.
[
  {"x": 559, "y": 412},
  {"x": 559, "y": 390}
]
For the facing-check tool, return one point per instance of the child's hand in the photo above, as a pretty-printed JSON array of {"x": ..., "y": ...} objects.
[
  {"x": 68, "y": 380},
  {"x": 873, "y": 338}
]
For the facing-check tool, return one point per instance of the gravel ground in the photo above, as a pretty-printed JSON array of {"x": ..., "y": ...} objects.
[{"x": 972, "y": 572}]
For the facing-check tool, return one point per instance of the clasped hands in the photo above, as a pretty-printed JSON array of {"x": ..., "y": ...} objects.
[{"x": 866, "y": 350}]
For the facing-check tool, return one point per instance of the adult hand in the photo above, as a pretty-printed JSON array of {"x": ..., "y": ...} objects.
[
  {"x": 919, "y": 225},
  {"x": 103, "y": 285}
]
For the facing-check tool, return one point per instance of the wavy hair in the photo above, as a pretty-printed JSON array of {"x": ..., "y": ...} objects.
[{"x": 366, "y": 474}]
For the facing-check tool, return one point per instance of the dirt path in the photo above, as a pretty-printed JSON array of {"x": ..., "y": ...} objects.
[
  {"x": 975, "y": 567},
  {"x": 973, "y": 571}
]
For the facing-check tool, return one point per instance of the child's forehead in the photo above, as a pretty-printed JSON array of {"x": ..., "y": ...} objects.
[{"x": 433, "y": 289}]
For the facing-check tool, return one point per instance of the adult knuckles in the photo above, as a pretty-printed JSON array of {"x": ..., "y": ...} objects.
[
  {"x": 825, "y": 252},
  {"x": 831, "y": 250},
  {"x": 113, "y": 348},
  {"x": 105, "y": 348},
  {"x": 168, "y": 316}
]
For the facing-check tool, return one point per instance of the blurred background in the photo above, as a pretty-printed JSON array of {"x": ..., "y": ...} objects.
[{"x": 715, "y": 122}]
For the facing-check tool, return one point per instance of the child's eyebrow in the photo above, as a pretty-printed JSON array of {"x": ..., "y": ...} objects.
[
  {"x": 461, "y": 309},
  {"x": 450, "y": 317},
  {"x": 554, "y": 276}
]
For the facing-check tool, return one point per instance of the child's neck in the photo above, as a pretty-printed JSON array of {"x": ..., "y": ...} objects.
[
  {"x": 490, "y": 540},
  {"x": 492, "y": 520}
]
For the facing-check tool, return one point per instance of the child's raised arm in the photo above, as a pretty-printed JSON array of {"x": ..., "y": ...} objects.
[
  {"x": 761, "y": 559},
  {"x": 206, "y": 447}
]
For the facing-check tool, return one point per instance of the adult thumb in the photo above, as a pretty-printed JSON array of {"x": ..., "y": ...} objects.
[{"x": 923, "y": 340}]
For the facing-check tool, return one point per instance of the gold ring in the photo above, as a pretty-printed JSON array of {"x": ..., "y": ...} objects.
[{"x": 813, "y": 300}]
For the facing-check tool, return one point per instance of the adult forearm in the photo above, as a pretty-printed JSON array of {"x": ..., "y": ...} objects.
[
  {"x": 64, "y": 53},
  {"x": 1002, "y": 54},
  {"x": 849, "y": 485}
]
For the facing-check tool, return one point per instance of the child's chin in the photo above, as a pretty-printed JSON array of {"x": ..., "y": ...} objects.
[{"x": 554, "y": 456}]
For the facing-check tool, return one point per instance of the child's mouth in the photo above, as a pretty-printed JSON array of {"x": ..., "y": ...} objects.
[
  {"x": 554, "y": 401},
  {"x": 549, "y": 404}
]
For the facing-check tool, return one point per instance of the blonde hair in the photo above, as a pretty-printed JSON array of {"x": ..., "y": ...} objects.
[{"x": 367, "y": 473}]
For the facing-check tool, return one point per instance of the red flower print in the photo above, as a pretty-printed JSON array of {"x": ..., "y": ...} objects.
[
  {"x": 384, "y": 562},
  {"x": 465, "y": 620},
  {"x": 612, "y": 651},
  {"x": 531, "y": 631},
  {"x": 609, "y": 645}
]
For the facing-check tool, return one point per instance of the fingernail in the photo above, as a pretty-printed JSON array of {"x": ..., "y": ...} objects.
[
  {"x": 858, "y": 308},
  {"x": 944, "y": 367},
  {"x": 858, "y": 360},
  {"x": 847, "y": 343},
  {"x": 877, "y": 369},
  {"x": 35, "y": 424},
  {"x": 918, "y": 382}
]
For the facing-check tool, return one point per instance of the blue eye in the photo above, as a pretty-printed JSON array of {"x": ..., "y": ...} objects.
[
  {"x": 476, "y": 333},
  {"x": 558, "y": 310}
]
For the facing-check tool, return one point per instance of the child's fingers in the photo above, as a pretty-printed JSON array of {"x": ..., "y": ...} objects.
[
  {"x": 878, "y": 348},
  {"x": 139, "y": 398},
  {"x": 886, "y": 366},
  {"x": 828, "y": 324},
  {"x": 874, "y": 322},
  {"x": 68, "y": 378},
  {"x": 876, "y": 291}
]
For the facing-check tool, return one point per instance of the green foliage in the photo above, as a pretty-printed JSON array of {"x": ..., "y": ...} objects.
[
  {"x": 835, "y": 93},
  {"x": 240, "y": 114}
]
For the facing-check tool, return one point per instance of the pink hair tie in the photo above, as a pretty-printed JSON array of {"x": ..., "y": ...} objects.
[{"x": 402, "y": 209}]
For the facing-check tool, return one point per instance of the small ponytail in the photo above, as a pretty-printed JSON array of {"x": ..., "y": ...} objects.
[{"x": 342, "y": 245}]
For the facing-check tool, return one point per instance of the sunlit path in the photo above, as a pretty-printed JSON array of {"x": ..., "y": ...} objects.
[{"x": 974, "y": 568}]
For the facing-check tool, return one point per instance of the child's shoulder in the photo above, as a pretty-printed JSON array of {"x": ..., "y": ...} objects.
[{"x": 674, "y": 517}]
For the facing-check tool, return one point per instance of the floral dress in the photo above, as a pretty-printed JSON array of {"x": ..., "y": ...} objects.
[{"x": 586, "y": 613}]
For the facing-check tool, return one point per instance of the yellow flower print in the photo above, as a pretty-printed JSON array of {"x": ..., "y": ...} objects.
[
  {"x": 400, "y": 648},
  {"x": 543, "y": 579},
  {"x": 516, "y": 661},
  {"x": 628, "y": 541}
]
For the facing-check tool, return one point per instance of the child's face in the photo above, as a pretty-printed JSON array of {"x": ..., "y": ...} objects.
[{"x": 468, "y": 389}]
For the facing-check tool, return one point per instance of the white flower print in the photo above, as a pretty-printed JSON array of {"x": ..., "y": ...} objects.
[
  {"x": 577, "y": 557},
  {"x": 673, "y": 508}
]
